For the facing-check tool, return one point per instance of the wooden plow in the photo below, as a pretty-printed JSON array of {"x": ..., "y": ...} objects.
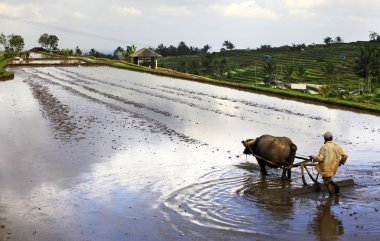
[{"x": 307, "y": 162}]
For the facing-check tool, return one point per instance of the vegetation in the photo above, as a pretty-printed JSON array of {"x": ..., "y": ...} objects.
[
  {"x": 49, "y": 42},
  {"x": 228, "y": 45},
  {"x": 366, "y": 65},
  {"x": 181, "y": 50},
  {"x": 12, "y": 43},
  {"x": 333, "y": 72}
]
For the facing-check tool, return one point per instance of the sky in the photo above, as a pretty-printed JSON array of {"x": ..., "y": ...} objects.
[{"x": 105, "y": 25}]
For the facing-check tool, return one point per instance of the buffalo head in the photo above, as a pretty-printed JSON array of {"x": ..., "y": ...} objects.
[{"x": 249, "y": 145}]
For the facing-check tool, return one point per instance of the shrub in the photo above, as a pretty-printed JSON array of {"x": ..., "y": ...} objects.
[{"x": 376, "y": 95}]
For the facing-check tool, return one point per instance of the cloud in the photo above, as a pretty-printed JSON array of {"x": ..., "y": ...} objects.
[
  {"x": 21, "y": 10},
  {"x": 302, "y": 4},
  {"x": 247, "y": 9},
  {"x": 174, "y": 10},
  {"x": 127, "y": 11},
  {"x": 301, "y": 9},
  {"x": 301, "y": 14},
  {"x": 78, "y": 15}
]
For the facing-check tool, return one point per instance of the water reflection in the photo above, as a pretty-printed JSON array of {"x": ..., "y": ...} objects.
[
  {"x": 326, "y": 225},
  {"x": 269, "y": 193}
]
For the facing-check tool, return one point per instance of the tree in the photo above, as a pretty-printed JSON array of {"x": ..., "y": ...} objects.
[
  {"x": 288, "y": 72},
  {"x": 205, "y": 49},
  {"x": 194, "y": 66},
  {"x": 222, "y": 66},
  {"x": 93, "y": 52},
  {"x": 328, "y": 41},
  {"x": 16, "y": 42},
  {"x": 366, "y": 62},
  {"x": 208, "y": 64},
  {"x": 3, "y": 40},
  {"x": 130, "y": 49},
  {"x": 118, "y": 53},
  {"x": 338, "y": 39},
  {"x": 373, "y": 36},
  {"x": 44, "y": 40},
  {"x": 48, "y": 41},
  {"x": 301, "y": 72},
  {"x": 78, "y": 52},
  {"x": 268, "y": 69},
  {"x": 53, "y": 42},
  {"x": 228, "y": 45},
  {"x": 183, "y": 66},
  {"x": 12, "y": 43},
  {"x": 183, "y": 49},
  {"x": 329, "y": 71}
]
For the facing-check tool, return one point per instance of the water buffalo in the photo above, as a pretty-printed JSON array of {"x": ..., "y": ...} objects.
[{"x": 279, "y": 151}]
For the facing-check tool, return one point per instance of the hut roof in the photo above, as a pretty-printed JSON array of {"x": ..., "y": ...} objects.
[
  {"x": 145, "y": 53},
  {"x": 38, "y": 49}
]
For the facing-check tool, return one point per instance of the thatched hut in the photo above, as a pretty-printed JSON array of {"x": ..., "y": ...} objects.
[{"x": 145, "y": 57}]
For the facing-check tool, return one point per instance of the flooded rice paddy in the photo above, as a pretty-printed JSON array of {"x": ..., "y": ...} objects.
[{"x": 96, "y": 153}]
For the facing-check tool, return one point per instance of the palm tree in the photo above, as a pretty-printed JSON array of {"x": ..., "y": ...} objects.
[
  {"x": 228, "y": 45},
  {"x": 222, "y": 66},
  {"x": 205, "y": 48},
  {"x": 328, "y": 40},
  {"x": 194, "y": 66},
  {"x": 365, "y": 63},
  {"x": 301, "y": 72},
  {"x": 338, "y": 39},
  {"x": 288, "y": 72},
  {"x": 373, "y": 36},
  {"x": 268, "y": 70},
  {"x": 329, "y": 70}
]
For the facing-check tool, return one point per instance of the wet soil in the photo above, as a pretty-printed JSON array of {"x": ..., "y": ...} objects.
[{"x": 95, "y": 153}]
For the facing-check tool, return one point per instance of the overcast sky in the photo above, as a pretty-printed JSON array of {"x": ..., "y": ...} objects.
[{"x": 104, "y": 25}]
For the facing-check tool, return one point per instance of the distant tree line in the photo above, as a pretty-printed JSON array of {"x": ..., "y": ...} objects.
[{"x": 181, "y": 49}]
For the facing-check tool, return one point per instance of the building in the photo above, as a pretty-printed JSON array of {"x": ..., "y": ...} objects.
[{"x": 145, "y": 57}]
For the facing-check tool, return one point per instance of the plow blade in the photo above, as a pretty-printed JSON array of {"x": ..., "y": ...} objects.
[{"x": 319, "y": 187}]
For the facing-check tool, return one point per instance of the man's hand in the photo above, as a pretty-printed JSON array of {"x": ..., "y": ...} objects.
[{"x": 343, "y": 160}]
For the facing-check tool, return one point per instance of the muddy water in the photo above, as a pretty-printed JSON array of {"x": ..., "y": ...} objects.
[{"x": 95, "y": 153}]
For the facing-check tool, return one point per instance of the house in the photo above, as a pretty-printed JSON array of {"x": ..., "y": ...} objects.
[{"x": 145, "y": 57}]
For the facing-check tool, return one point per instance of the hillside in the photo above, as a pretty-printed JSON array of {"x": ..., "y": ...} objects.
[{"x": 246, "y": 66}]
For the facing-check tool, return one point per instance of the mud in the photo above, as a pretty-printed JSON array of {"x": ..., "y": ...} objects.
[{"x": 95, "y": 153}]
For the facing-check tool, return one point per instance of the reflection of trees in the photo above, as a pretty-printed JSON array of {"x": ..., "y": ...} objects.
[
  {"x": 269, "y": 194},
  {"x": 325, "y": 225}
]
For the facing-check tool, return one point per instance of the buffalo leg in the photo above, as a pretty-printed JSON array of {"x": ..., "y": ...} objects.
[
  {"x": 289, "y": 173},
  {"x": 262, "y": 167},
  {"x": 283, "y": 176}
]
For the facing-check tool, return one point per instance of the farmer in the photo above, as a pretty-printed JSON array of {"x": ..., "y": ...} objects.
[{"x": 330, "y": 157}]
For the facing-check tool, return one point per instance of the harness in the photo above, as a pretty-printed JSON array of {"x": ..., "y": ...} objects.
[{"x": 303, "y": 165}]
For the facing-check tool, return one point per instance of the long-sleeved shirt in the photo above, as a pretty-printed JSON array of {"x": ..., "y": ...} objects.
[{"x": 329, "y": 157}]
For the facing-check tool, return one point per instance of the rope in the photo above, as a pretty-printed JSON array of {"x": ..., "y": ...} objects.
[
  {"x": 281, "y": 166},
  {"x": 276, "y": 165}
]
